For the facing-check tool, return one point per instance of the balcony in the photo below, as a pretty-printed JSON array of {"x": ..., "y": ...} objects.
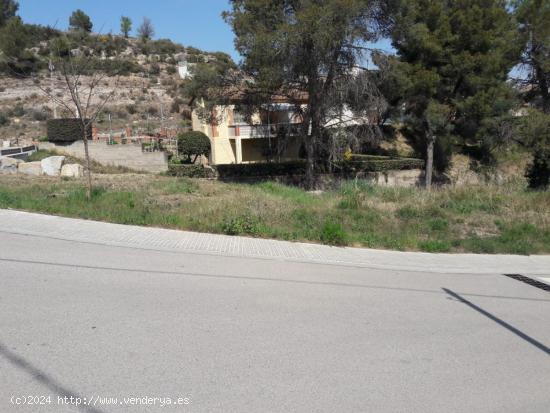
[{"x": 247, "y": 131}]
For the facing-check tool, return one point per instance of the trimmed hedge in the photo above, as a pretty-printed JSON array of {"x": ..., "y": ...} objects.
[
  {"x": 245, "y": 170},
  {"x": 66, "y": 130},
  {"x": 190, "y": 171},
  {"x": 368, "y": 164},
  {"x": 381, "y": 165},
  {"x": 255, "y": 170}
]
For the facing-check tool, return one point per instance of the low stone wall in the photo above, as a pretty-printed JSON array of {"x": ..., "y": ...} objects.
[
  {"x": 129, "y": 156},
  {"x": 391, "y": 178}
]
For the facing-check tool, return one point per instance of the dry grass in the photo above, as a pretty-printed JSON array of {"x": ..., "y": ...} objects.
[{"x": 483, "y": 218}]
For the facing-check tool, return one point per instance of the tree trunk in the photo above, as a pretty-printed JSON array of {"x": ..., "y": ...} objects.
[
  {"x": 310, "y": 162},
  {"x": 429, "y": 161},
  {"x": 88, "y": 166}
]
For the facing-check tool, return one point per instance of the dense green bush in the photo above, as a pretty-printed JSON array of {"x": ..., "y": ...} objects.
[
  {"x": 240, "y": 225},
  {"x": 4, "y": 120},
  {"x": 538, "y": 172},
  {"x": 367, "y": 164},
  {"x": 380, "y": 165},
  {"x": 190, "y": 171},
  {"x": 66, "y": 130},
  {"x": 193, "y": 144},
  {"x": 17, "y": 111},
  {"x": 332, "y": 233},
  {"x": 261, "y": 169}
]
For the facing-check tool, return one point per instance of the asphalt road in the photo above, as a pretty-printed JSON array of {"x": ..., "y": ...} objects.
[{"x": 230, "y": 334}]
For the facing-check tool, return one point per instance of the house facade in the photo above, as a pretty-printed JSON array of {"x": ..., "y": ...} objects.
[{"x": 271, "y": 134}]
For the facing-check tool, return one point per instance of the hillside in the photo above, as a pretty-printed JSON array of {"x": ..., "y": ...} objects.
[{"x": 149, "y": 83}]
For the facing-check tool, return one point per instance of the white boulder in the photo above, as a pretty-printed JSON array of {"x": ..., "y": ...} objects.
[
  {"x": 8, "y": 165},
  {"x": 51, "y": 165},
  {"x": 73, "y": 170},
  {"x": 30, "y": 168}
]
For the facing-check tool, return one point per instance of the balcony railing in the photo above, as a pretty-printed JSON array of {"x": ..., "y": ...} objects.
[{"x": 263, "y": 131}]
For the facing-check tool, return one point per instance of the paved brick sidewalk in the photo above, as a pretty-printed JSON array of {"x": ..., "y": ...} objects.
[{"x": 183, "y": 241}]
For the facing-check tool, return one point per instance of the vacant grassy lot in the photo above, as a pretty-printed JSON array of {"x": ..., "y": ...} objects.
[{"x": 488, "y": 219}]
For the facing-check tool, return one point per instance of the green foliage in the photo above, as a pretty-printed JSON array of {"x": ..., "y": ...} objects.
[
  {"x": 125, "y": 25},
  {"x": 190, "y": 171},
  {"x": 80, "y": 21},
  {"x": 4, "y": 120},
  {"x": 193, "y": 144},
  {"x": 181, "y": 186},
  {"x": 66, "y": 130},
  {"x": 435, "y": 246},
  {"x": 534, "y": 17},
  {"x": 293, "y": 48},
  {"x": 17, "y": 111},
  {"x": 164, "y": 47},
  {"x": 332, "y": 233},
  {"x": 362, "y": 163},
  {"x": 455, "y": 59},
  {"x": 14, "y": 58},
  {"x": 538, "y": 172},
  {"x": 240, "y": 225},
  {"x": 8, "y": 9},
  {"x": 252, "y": 170},
  {"x": 380, "y": 165},
  {"x": 443, "y": 219},
  {"x": 533, "y": 131}
]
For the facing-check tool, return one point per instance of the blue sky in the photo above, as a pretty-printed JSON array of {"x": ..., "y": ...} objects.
[{"x": 195, "y": 23}]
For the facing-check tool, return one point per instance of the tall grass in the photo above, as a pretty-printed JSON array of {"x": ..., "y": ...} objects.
[{"x": 481, "y": 219}]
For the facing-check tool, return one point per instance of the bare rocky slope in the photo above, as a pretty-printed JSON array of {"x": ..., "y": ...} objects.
[{"x": 147, "y": 95}]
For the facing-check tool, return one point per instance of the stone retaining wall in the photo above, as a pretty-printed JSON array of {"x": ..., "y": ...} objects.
[
  {"x": 391, "y": 178},
  {"x": 129, "y": 156}
]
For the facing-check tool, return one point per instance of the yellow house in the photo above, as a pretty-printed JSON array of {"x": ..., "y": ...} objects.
[{"x": 272, "y": 134}]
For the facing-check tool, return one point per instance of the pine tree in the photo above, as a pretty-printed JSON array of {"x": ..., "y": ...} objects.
[{"x": 457, "y": 56}]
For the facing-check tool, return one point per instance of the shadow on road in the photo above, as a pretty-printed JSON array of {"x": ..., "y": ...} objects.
[
  {"x": 43, "y": 378},
  {"x": 497, "y": 320}
]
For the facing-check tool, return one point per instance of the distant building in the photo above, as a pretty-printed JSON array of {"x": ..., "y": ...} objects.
[{"x": 273, "y": 133}]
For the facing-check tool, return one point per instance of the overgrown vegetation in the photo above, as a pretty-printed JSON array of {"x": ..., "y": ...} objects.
[{"x": 480, "y": 219}]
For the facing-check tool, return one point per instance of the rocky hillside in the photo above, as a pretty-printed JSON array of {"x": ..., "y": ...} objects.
[{"x": 149, "y": 87}]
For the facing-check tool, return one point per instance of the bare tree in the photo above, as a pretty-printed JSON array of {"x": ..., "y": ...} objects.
[
  {"x": 146, "y": 31},
  {"x": 81, "y": 95}
]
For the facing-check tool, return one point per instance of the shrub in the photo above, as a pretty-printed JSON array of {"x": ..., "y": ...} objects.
[
  {"x": 39, "y": 115},
  {"x": 17, "y": 111},
  {"x": 193, "y": 144},
  {"x": 240, "y": 225},
  {"x": 538, "y": 172},
  {"x": 261, "y": 169},
  {"x": 171, "y": 69},
  {"x": 190, "y": 171},
  {"x": 154, "y": 69},
  {"x": 367, "y": 163},
  {"x": 132, "y": 109},
  {"x": 332, "y": 233},
  {"x": 66, "y": 130},
  {"x": 175, "y": 107},
  {"x": 4, "y": 120}
]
